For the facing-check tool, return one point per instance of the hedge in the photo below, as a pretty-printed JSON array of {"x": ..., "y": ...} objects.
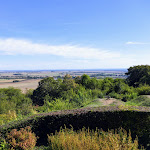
[{"x": 136, "y": 119}]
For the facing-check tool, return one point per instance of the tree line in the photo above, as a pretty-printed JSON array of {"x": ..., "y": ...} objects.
[{"x": 69, "y": 93}]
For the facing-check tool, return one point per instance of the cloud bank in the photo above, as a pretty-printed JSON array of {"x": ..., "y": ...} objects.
[
  {"x": 136, "y": 43},
  {"x": 12, "y": 46},
  {"x": 65, "y": 56}
]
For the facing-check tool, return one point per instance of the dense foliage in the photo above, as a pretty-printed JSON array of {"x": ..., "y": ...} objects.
[
  {"x": 68, "y": 93},
  {"x": 78, "y": 92},
  {"x": 138, "y": 75},
  {"x": 68, "y": 139},
  {"x": 14, "y": 105},
  {"x": 14, "y": 99},
  {"x": 81, "y": 90},
  {"x": 136, "y": 119}
]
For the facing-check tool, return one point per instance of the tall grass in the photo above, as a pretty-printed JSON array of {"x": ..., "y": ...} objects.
[
  {"x": 85, "y": 139},
  {"x": 9, "y": 116}
]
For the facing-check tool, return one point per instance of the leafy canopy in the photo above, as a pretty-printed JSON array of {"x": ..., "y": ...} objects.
[{"x": 138, "y": 75}]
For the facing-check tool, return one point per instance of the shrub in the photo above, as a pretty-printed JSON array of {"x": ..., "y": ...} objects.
[
  {"x": 127, "y": 96},
  {"x": 143, "y": 90},
  {"x": 29, "y": 93},
  {"x": 67, "y": 139},
  {"x": 100, "y": 95},
  {"x": 136, "y": 119},
  {"x": 5, "y": 106},
  {"x": 97, "y": 93},
  {"x": 14, "y": 99},
  {"x": 142, "y": 101},
  {"x": 57, "y": 104},
  {"x": 115, "y": 95},
  {"x": 23, "y": 139},
  {"x": 25, "y": 109},
  {"x": 9, "y": 116},
  {"x": 3, "y": 144}
]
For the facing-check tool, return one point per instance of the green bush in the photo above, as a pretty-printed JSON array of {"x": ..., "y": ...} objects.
[
  {"x": 3, "y": 144},
  {"x": 97, "y": 93},
  {"x": 7, "y": 117},
  {"x": 57, "y": 104},
  {"x": 126, "y": 97},
  {"x": 136, "y": 119},
  {"x": 6, "y": 106},
  {"x": 100, "y": 94},
  {"x": 115, "y": 95},
  {"x": 14, "y": 99},
  {"x": 143, "y": 90},
  {"x": 29, "y": 93}
]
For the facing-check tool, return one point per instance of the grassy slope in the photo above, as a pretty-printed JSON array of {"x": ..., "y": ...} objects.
[
  {"x": 98, "y": 105},
  {"x": 105, "y": 102},
  {"x": 143, "y": 100}
]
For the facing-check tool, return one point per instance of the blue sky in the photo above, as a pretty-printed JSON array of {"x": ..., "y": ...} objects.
[{"x": 74, "y": 34}]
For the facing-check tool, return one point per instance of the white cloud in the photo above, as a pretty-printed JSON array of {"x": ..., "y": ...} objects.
[
  {"x": 12, "y": 46},
  {"x": 74, "y": 56},
  {"x": 136, "y": 43}
]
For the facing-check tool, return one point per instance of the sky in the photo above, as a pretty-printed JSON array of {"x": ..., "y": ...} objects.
[{"x": 74, "y": 34}]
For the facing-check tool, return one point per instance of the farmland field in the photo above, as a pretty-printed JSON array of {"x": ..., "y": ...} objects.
[
  {"x": 29, "y": 79},
  {"x": 22, "y": 84},
  {"x": 59, "y": 74}
]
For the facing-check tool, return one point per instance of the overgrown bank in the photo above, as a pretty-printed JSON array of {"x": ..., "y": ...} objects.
[
  {"x": 136, "y": 119},
  {"x": 74, "y": 93}
]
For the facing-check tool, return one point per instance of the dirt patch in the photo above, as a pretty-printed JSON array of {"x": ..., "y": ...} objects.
[
  {"x": 111, "y": 101},
  {"x": 148, "y": 96}
]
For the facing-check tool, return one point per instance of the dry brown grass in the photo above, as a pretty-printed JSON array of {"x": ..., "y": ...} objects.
[
  {"x": 85, "y": 139},
  {"x": 2, "y": 81},
  {"x": 24, "y": 85}
]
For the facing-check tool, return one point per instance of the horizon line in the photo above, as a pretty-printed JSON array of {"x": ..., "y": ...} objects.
[{"x": 102, "y": 69}]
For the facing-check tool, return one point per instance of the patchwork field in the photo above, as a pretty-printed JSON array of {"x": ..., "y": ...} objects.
[
  {"x": 22, "y": 84},
  {"x": 29, "y": 79}
]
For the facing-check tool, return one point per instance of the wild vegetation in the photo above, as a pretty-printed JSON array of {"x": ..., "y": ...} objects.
[
  {"x": 134, "y": 119},
  {"x": 86, "y": 139},
  {"x": 68, "y": 139},
  {"x": 22, "y": 139},
  {"x": 72, "y": 93}
]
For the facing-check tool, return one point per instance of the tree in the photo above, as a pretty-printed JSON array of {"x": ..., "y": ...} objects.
[
  {"x": 138, "y": 75},
  {"x": 77, "y": 79},
  {"x": 85, "y": 80},
  {"x": 68, "y": 83},
  {"x": 107, "y": 85},
  {"x": 93, "y": 84},
  {"x": 48, "y": 87}
]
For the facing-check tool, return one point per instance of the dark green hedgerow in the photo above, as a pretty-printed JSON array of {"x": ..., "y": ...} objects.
[{"x": 137, "y": 119}]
